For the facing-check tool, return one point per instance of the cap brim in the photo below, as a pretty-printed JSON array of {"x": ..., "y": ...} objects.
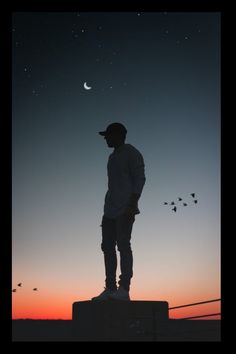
[{"x": 102, "y": 133}]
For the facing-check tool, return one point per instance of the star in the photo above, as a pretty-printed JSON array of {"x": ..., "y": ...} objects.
[
  {"x": 27, "y": 70},
  {"x": 139, "y": 14},
  {"x": 35, "y": 93},
  {"x": 186, "y": 37}
]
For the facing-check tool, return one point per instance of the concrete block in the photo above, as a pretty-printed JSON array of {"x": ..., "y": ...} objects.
[{"x": 118, "y": 320}]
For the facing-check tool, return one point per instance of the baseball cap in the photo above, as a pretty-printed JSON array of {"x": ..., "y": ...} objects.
[{"x": 114, "y": 128}]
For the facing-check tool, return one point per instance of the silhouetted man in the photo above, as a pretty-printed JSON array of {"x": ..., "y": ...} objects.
[{"x": 126, "y": 179}]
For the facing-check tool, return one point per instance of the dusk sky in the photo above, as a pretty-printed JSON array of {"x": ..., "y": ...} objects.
[{"x": 157, "y": 73}]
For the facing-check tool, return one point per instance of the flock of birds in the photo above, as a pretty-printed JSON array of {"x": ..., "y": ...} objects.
[
  {"x": 20, "y": 286},
  {"x": 194, "y": 200}
]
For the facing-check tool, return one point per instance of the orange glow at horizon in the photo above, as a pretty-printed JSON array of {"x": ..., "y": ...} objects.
[{"x": 55, "y": 307}]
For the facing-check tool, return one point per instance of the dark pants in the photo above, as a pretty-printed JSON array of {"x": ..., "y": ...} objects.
[{"x": 117, "y": 232}]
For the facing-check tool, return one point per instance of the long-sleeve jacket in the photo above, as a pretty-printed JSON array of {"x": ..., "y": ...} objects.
[{"x": 126, "y": 176}]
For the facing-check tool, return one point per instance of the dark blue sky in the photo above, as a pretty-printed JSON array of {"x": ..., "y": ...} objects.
[{"x": 158, "y": 74}]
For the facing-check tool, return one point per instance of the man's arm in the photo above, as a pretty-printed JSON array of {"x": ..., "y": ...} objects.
[
  {"x": 133, "y": 200},
  {"x": 136, "y": 165},
  {"x": 137, "y": 173}
]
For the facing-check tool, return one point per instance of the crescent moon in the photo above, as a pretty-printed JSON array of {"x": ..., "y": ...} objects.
[{"x": 86, "y": 86}]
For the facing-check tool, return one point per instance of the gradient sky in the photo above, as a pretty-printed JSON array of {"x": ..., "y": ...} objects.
[{"x": 159, "y": 75}]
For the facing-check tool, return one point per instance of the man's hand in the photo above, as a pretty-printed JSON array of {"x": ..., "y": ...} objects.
[{"x": 130, "y": 211}]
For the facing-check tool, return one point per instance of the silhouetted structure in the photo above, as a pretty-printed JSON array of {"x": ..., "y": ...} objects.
[
  {"x": 67, "y": 330},
  {"x": 120, "y": 321}
]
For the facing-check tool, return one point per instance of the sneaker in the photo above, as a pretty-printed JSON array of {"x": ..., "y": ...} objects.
[
  {"x": 105, "y": 295},
  {"x": 120, "y": 294}
]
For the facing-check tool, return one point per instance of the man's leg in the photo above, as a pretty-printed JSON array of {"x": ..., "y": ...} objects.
[
  {"x": 109, "y": 249},
  {"x": 124, "y": 225}
]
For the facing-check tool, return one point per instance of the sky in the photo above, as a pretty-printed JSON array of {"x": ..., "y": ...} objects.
[{"x": 158, "y": 73}]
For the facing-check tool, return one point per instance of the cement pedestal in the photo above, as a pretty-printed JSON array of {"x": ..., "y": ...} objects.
[{"x": 119, "y": 320}]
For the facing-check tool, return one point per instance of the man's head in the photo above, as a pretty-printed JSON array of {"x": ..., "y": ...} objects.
[{"x": 114, "y": 134}]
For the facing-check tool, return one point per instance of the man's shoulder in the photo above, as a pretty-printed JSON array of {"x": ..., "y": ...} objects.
[{"x": 132, "y": 150}]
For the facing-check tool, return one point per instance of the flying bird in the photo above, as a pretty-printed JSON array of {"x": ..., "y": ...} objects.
[
  {"x": 35, "y": 289},
  {"x": 185, "y": 204},
  {"x": 195, "y": 201},
  {"x": 20, "y": 284},
  {"x": 172, "y": 203},
  {"x": 174, "y": 209},
  {"x": 180, "y": 199},
  {"x": 165, "y": 203},
  {"x": 14, "y": 290},
  {"x": 193, "y": 195}
]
